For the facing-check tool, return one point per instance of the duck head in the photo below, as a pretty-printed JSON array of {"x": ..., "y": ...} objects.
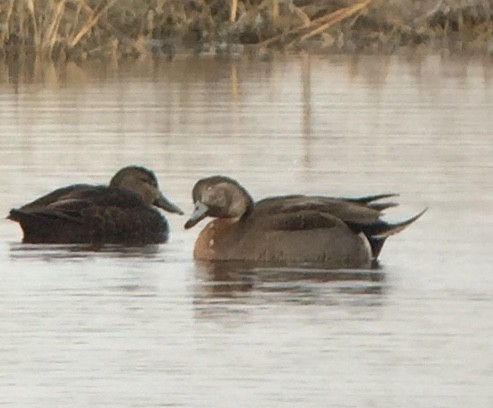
[
  {"x": 220, "y": 197},
  {"x": 144, "y": 183}
]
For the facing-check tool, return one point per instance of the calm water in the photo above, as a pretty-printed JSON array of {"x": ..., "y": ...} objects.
[{"x": 150, "y": 328}]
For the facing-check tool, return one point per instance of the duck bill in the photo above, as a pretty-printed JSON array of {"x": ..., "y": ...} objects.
[
  {"x": 199, "y": 213},
  {"x": 162, "y": 202}
]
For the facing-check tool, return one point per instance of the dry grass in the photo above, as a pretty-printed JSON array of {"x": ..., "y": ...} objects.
[{"x": 78, "y": 29}]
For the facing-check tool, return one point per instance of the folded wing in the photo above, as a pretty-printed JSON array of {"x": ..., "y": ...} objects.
[{"x": 361, "y": 215}]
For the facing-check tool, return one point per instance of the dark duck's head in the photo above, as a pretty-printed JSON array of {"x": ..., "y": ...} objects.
[{"x": 144, "y": 183}]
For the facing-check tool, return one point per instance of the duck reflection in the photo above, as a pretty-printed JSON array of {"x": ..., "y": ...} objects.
[
  {"x": 51, "y": 252},
  {"x": 223, "y": 285}
]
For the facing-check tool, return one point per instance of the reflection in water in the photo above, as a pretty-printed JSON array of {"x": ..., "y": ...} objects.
[
  {"x": 218, "y": 282},
  {"x": 187, "y": 70},
  {"x": 306, "y": 84},
  {"x": 20, "y": 251}
]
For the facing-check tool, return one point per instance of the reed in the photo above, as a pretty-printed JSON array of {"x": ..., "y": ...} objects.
[{"x": 134, "y": 28}]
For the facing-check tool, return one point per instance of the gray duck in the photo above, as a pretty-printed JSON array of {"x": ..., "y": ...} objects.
[
  {"x": 121, "y": 213},
  {"x": 335, "y": 232}
]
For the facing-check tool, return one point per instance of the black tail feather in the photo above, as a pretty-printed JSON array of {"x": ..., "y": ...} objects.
[
  {"x": 369, "y": 201},
  {"x": 378, "y": 232},
  {"x": 376, "y": 245},
  {"x": 382, "y": 206},
  {"x": 14, "y": 215},
  {"x": 386, "y": 230},
  {"x": 371, "y": 198}
]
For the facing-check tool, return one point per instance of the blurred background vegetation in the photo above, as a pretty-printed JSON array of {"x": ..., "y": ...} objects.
[{"x": 84, "y": 29}]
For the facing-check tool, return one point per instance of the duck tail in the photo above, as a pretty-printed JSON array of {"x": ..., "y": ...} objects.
[
  {"x": 369, "y": 201},
  {"x": 376, "y": 245},
  {"x": 25, "y": 218},
  {"x": 381, "y": 206},
  {"x": 372, "y": 198},
  {"x": 377, "y": 234},
  {"x": 385, "y": 230},
  {"x": 14, "y": 215}
]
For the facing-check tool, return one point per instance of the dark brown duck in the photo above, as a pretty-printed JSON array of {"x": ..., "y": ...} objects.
[
  {"x": 336, "y": 232},
  {"x": 121, "y": 213}
]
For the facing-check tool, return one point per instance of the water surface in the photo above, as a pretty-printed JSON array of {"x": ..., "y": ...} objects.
[{"x": 144, "y": 327}]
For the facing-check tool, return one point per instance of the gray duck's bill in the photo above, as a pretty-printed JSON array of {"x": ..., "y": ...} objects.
[
  {"x": 199, "y": 213},
  {"x": 162, "y": 202}
]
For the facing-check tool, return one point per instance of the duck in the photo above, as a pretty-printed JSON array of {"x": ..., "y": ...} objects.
[
  {"x": 123, "y": 212},
  {"x": 338, "y": 233}
]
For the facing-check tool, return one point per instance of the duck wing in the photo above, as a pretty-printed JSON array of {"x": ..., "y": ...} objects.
[
  {"x": 74, "y": 203},
  {"x": 301, "y": 220},
  {"x": 369, "y": 201},
  {"x": 56, "y": 195},
  {"x": 347, "y": 210},
  {"x": 90, "y": 213},
  {"x": 361, "y": 215}
]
